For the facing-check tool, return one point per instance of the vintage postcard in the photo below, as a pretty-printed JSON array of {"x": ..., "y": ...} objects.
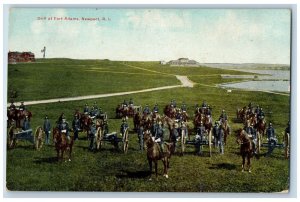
[{"x": 148, "y": 100}]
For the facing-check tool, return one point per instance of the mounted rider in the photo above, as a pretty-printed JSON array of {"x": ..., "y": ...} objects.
[
  {"x": 179, "y": 115},
  {"x": 131, "y": 104},
  {"x": 203, "y": 107},
  {"x": 22, "y": 107},
  {"x": 173, "y": 103},
  {"x": 47, "y": 129},
  {"x": 261, "y": 115},
  {"x": 159, "y": 136},
  {"x": 272, "y": 140},
  {"x": 76, "y": 126},
  {"x": 95, "y": 106},
  {"x": 93, "y": 113},
  {"x": 60, "y": 119},
  {"x": 155, "y": 108},
  {"x": 183, "y": 107},
  {"x": 105, "y": 127},
  {"x": 146, "y": 110},
  {"x": 223, "y": 116},
  {"x": 86, "y": 109},
  {"x": 124, "y": 104},
  {"x": 12, "y": 106},
  {"x": 257, "y": 110},
  {"x": 64, "y": 128},
  {"x": 252, "y": 134}
]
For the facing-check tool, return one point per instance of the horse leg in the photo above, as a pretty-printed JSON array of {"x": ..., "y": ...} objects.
[
  {"x": 166, "y": 163},
  {"x": 155, "y": 163},
  {"x": 150, "y": 167},
  {"x": 243, "y": 164},
  {"x": 249, "y": 162}
]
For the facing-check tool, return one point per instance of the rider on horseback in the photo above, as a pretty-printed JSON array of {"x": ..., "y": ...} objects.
[
  {"x": 257, "y": 110},
  {"x": 22, "y": 106},
  {"x": 261, "y": 115},
  {"x": 173, "y": 103},
  {"x": 12, "y": 106},
  {"x": 86, "y": 109},
  {"x": 131, "y": 103},
  {"x": 183, "y": 107},
  {"x": 146, "y": 110},
  {"x": 64, "y": 128},
  {"x": 223, "y": 116},
  {"x": 155, "y": 108},
  {"x": 124, "y": 104},
  {"x": 159, "y": 136},
  {"x": 252, "y": 134}
]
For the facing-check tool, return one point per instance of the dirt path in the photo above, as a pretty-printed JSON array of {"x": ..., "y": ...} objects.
[{"x": 185, "y": 82}]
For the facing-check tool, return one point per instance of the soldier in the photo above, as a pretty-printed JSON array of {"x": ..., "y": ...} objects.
[
  {"x": 60, "y": 118},
  {"x": 26, "y": 124},
  {"x": 208, "y": 110},
  {"x": 92, "y": 134},
  {"x": 146, "y": 110},
  {"x": 105, "y": 127},
  {"x": 183, "y": 107},
  {"x": 200, "y": 131},
  {"x": 250, "y": 130},
  {"x": 22, "y": 106},
  {"x": 124, "y": 104},
  {"x": 155, "y": 108},
  {"x": 76, "y": 126},
  {"x": 159, "y": 136},
  {"x": 86, "y": 109},
  {"x": 154, "y": 128},
  {"x": 173, "y": 103},
  {"x": 223, "y": 116},
  {"x": 204, "y": 104},
  {"x": 124, "y": 127},
  {"x": 287, "y": 130},
  {"x": 92, "y": 113},
  {"x": 272, "y": 140},
  {"x": 221, "y": 139},
  {"x": 141, "y": 137},
  {"x": 12, "y": 106},
  {"x": 216, "y": 133},
  {"x": 64, "y": 128},
  {"x": 261, "y": 114},
  {"x": 95, "y": 106},
  {"x": 257, "y": 110},
  {"x": 131, "y": 103},
  {"x": 179, "y": 115},
  {"x": 47, "y": 129}
]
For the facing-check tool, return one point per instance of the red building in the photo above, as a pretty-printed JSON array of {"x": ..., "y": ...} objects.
[{"x": 14, "y": 57}]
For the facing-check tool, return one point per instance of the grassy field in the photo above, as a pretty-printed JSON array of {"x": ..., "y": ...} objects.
[{"x": 111, "y": 170}]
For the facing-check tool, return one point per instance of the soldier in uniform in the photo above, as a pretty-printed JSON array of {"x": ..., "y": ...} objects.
[
  {"x": 159, "y": 136},
  {"x": 223, "y": 116},
  {"x": 12, "y": 106},
  {"x": 221, "y": 139},
  {"x": 261, "y": 114},
  {"x": 155, "y": 108},
  {"x": 124, "y": 104},
  {"x": 131, "y": 103},
  {"x": 146, "y": 110},
  {"x": 200, "y": 131},
  {"x": 183, "y": 107},
  {"x": 64, "y": 128},
  {"x": 141, "y": 137},
  {"x": 86, "y": 109},
  {"x": 272, "y": 140},
  {"x": 60, "y": 118},
  {"x": 47, "y": 129},
  {"x": 123, "y": 127},
  {"x": 105, "y": 127},
  {"x": 22, "y": 106},
  {"x": 208, "y": 110},
  {"x": 215, "y": 132},
  {"x": 26, "y": 124},
  {"x": 252, "y": 134},
  {"x": 257, "y": 110},
  {"x": 95, "y": 106},
  {"x": 76, "y": 126}
]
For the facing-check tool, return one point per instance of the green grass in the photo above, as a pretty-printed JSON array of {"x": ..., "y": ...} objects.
[{"x": 111, "y": 170}]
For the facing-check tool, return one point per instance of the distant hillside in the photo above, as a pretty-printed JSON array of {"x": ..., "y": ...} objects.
[{"x": 248, "y": 66}]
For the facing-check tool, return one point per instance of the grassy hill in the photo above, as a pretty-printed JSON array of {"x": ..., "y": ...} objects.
[{"x": 111, "y": 170}]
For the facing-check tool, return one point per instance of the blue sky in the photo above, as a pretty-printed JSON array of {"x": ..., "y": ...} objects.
[{"x": 206, "y": 35}]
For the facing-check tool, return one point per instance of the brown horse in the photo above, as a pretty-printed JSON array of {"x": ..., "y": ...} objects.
[
  {"x": 86, "y": 122},
  {"x": 241, "y": 114},
  {"x": 62, "y": 144},
  {"x": 154, "y": 153},
  {"x": 39, "y": 137},
  {"x": 170, "y": 111},
  {"x": 168, "y": 122},
  {"x": 246, "y": 149},
  {"x": 137, "y": 120}
]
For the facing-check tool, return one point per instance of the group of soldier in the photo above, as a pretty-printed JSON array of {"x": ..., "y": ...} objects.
[{"x": 22, "y": 108}]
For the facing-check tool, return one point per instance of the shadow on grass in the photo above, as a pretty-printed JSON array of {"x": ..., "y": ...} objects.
[
  {"x": 136, "y": 174},
  {"x": 45, "y": 160},
  {"x": 227, "y": 166}
]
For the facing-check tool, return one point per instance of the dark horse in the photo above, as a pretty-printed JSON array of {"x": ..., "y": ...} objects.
[
  {"x": 62, "y": 144},
  {"x": 170, "y": 111},
  {"x": 247, "y": 150},
  {"x": 155, "y": 154}
]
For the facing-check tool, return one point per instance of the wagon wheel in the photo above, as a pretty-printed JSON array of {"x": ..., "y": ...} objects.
[
  {"x": 209, "y": 142},
  {"x": 259, "y": 137},
  {"x": 11, "y": 139},
  {"x": 38, "y": 138},
  {"x": 287, "y": 145},
  {"x": 182, "y": 141},
  {"x": 125, "y": 141},
  {"x": 99, "y": 137}
]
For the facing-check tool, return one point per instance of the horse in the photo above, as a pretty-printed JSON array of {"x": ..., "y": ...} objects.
[
  {"x": 137, "y": 118},
  {"x": 207, "y": 122},
  {"x": 185, "y": 116},
  {"x": 39, "y": 133},
  {"x": 86, "y": 122},
  {"x": 62, "y": 144},
  {"x": 246, "y": 150},
  {"x": 169, "y": 122},
  {"x": 155, "y": 154},
  {"x": 241, "y": 113},
  {"x": 170, "y": 111}
]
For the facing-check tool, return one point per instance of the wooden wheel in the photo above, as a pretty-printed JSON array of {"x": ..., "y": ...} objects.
[
  {"x": 99, "y": 136},
  {"x": 182, "y": 141},
  {"x": 125, "y": 141},
  {"x": 209, "y": 142},
  {"x": 287, "y": 145},
  {"x": 38, "y": 138},
  {"x": 11, "y": 139},
  {"x": 259, "y": 139}
]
